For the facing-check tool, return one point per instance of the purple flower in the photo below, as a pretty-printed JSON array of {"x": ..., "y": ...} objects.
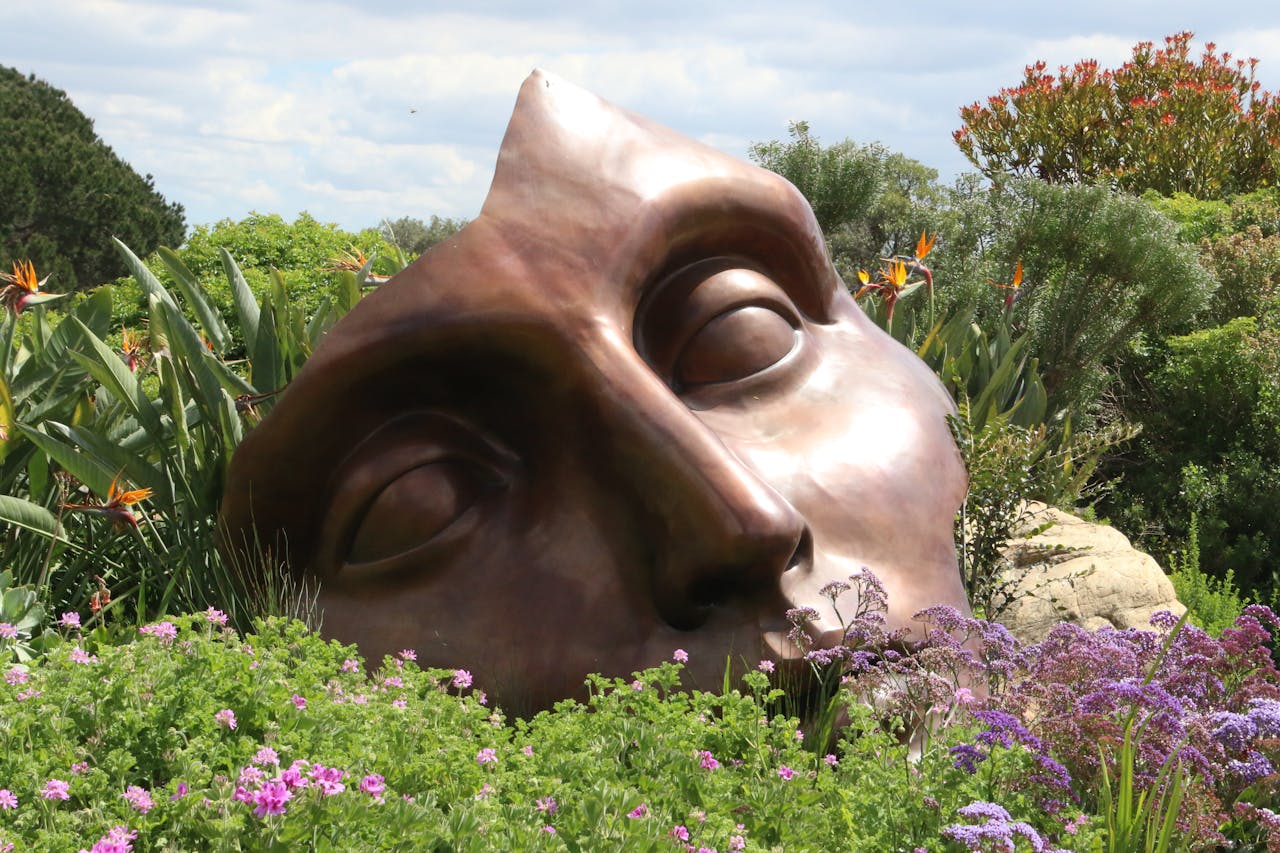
[
  {"x": 271, "y": 798},
  {"x": 488, "y": 755},
  {"x": 215, "y": 616},
  {"x": 461, "y": 678},
  {"x": 638, "y": 812},
  {"x": 56, "y": 789},
  {"x": 765, "y": 666},
  {"x": 69, "y": 620},
  {"x": 7, "y": 799},
  {"x": 549, "y": 830},
  {"x": 1254, "y": 767},
  {"x": 786, "y": 773},
  {"x": 349, "y": 665},
  {"x": 267, "y": 755},
  {"x": 226, "y": 717},
  {"x": 79, "y": 655},
  {"x": 16, "y": 676},
  {"x": 180, "y": 792},
  {"x": 1233, "y": 731},
  {"x": 547, "y": 805},
  {"x": 373, "y": 785},
  {"x": 1265, "y": 715},
  {"x": 298, "y": 701},
  {"x": 679, "y": 832},
  {"x": 408, "y": 654},
  {"x": 8, "y": 632},
  {"x": 139, "y": 798},
  {"x": 708, "y": 760},
  {"x": 830, "y": 760},
  {"x": 968, "y": 757}
]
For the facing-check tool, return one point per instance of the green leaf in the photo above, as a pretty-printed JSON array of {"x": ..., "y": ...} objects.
[
  {"x": 108, "y": 368},
  {"x": 28, "y": 516},
  {"x": 142, "y": 274},
  {"x": 246, "y": 305},
  {"x": 195, "y": 295}
]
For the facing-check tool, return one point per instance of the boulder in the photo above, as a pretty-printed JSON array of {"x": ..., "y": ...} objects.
[{"x": 1075, "y": 571}]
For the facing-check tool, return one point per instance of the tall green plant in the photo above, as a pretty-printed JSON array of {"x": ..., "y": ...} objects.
[{"x": 87, "y": 421}]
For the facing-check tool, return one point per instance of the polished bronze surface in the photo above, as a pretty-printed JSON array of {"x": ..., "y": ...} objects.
[{"x": 630, "y": 408}]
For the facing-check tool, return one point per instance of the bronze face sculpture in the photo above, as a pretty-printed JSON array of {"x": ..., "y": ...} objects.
[{"x": 630, "y": 408}]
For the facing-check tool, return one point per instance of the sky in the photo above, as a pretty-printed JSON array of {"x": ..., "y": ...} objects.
[{"x": 362, "y": 111}]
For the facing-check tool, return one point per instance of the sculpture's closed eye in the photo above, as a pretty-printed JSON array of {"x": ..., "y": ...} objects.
[
  {"x": 415, "y": 508},
  {"x": 736, "y": 344},
  {"x": 413, "y": 488},
  {"x": 718, "y": 321}
]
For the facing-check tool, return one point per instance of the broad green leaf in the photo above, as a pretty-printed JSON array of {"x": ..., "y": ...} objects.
[
  {"x": 27, "y": 516},
  {"x": 246, "y": 305},
  {"x": 141, "y": 274},
  {"x": 108, "y": 368},
  {"x": 93, "y": 471},
  {"x": 195, "y": 295}
]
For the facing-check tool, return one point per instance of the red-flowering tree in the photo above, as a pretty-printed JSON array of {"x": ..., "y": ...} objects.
[{"x": 1165, "y": 121}]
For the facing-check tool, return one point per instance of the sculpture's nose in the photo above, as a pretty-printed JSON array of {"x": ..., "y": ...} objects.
[{"x": 712, "y": 531}]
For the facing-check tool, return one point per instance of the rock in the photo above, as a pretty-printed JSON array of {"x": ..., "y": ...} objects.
[{"x": 1075, "y": 571}]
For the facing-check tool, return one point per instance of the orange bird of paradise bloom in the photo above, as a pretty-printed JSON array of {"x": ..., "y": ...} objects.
[
  {"x": 116, "y": 507},
  {"x": 1015, "y": 289},
  {"x": 21, "y": 287}
]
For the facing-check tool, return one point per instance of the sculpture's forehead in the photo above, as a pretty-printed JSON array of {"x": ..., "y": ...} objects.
[{"x": 590, "y": 204}]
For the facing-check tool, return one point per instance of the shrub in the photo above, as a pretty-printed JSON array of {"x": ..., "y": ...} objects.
[{"x": 1162, "y": 121}]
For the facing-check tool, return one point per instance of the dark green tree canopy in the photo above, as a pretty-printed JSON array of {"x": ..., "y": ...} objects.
[{"x": 64, "y": 193}]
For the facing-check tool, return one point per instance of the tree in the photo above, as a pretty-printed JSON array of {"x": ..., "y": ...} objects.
[
  {"x": 870, "y": 202},
  {"x": 64, "y": 193},
  {"x": 1163, "y": 121},
  {"x": 413, "y": 236}
]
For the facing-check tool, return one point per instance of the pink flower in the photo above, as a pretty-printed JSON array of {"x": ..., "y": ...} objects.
[
  {"x": 226, "y": 717},
  {"x": 484, "y": 792},
  {"x": 16, "y": 676},
  {"x": 373, "y": 785},
  {"x": 549, "y": 830},
  {"x": 799, "y": 734},
  {"x": 28, "y": 694},
  {"x": 547, "y": 804},
  {"x": 215, "y": 616},
  {"x": 964, "y": 696},
  {"x": 637, "y": 685},
  {"x": 786, "y": 772},
  {"x": 166, "y": 632},
  {"x": 488, "y": 755},
  {"x": 399, "y": 703},
  {"x": 70, "y": 620},
  {"x": 79, "y": 655},
  {"x": 481, "y": 697},
  {"x": 7, "y": 799},
  {"x": 527, "y": 749},
  {"x": 638, "y": 812},
  {"x": 8, "y": 632},
  {"x": 298, "y": 701},
  {"x": 293, "y": 776},
  {"x": 765, "y": 666},
  {"x": 139, "y": 798},
  {"x": 79, "y": 767},
  {"x": 180, "y": 793},
  {"x": 393, "y": 681},
  {"x": 408, "y": 654},
  {"x": 328, "y": 779},
  {"x": 267, "y": 755},
  {"x": 680, "y": 656},
  {"x": 56, "y": 789},
  {"x": 271, "y": 799},
  {"x": 708, "y": 760},
  {"x": 679, "y": 832},
  {"x": 737, "y": 843},
  {"x": 349, "y": 665},
  {"x": 830, "y": 760},
  {"x": 117, "y": 840},
  {"x": 461, "y": 678}
]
